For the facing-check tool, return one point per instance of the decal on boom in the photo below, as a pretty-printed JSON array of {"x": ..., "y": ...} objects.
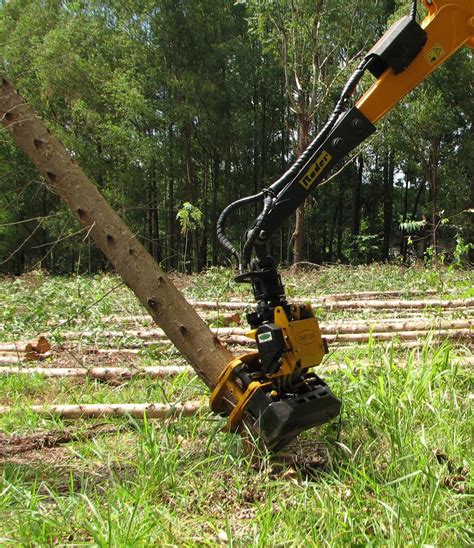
[{"x": 315, "y": 170}]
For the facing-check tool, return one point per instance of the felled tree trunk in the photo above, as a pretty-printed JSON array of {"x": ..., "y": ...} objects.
[
  {"x": 137, "y": 410},
  {"x": 164, "y": 302}
]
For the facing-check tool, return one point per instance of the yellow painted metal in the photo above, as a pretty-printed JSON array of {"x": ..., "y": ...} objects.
[
  {"x": 449, "y": 25},
  {"x": 235, "y": 418},
  {"x": 228, "y": 384},
  {"x": 305, "y": 346},
  {"x": 304, "y": 349}
]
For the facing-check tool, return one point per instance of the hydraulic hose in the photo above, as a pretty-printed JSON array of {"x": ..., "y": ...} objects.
[
  {"x": 223, "y": 240},
  {"x": 255, "y": 230},
  {"x": 269, "y": 195},
  {"x": 346, "y": 93}
]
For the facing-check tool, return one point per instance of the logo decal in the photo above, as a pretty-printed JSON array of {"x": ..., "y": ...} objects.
[
  {"x": 306, "y": 337},
  {"x": 435, "y": 53},
  {"x": 315, "y": 170},
  {"x": 264, "y": 337}
]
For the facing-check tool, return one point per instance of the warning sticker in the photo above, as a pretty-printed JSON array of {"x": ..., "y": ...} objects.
[{"x": 435, "y": 53}]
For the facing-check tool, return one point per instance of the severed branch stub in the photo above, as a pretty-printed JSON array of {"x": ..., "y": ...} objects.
[{"x": 164, "y": 302}]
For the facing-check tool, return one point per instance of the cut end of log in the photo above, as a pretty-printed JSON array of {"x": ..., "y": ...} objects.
[{"x": 34, "y": 350}]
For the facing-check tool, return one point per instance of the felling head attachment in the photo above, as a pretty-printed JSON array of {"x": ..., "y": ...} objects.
[
  {"x": 271, "y": 390},
  {"x": 275, "y": 409}
]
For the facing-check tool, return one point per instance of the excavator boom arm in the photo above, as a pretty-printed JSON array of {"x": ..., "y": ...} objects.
[
  {"x": 448, "y": 27},
  {"x": 402, "y": 59}
]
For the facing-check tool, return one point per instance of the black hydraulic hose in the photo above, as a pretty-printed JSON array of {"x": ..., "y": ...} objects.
[
  {"x": 255, "y": 231},
  {"x": 269, "y": 195},
  {"x": 224, "y": 241},
  {"x": 413, "y": 10},
  {"x": 346, "y": 93}
]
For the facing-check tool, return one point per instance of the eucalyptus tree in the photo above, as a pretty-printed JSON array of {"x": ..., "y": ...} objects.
[
  {"x": 317, "y": 43},
  {"x": 434, "y": 129}
]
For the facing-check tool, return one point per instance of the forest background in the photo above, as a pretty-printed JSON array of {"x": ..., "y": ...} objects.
[{"x": 177, "y": 108}]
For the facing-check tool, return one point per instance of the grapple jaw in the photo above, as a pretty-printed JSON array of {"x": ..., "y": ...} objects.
[
  {"x": 275, "y": 410},
  {"x": 276, "y": 423}
]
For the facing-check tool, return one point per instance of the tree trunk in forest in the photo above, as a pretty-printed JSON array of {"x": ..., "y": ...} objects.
[
  {"x": 433, "y": 179},
  {"x": 215, "y": 214},
  {"x": 170, "y": 243},
  {"x": 152, "y": 214},
  {"x": 403, "y": 235},
  {"x": 139, "y": 271},
  {"x": 388, "y": 174},
  {"x": 356, "y": 196},
  {"x": 330, "y": 254},
  {"x": 191, "y": 181},
  {"x": 298, "y": 234},
  {"x": 417, "y": 199},
  {"x": 340, "y": 206},
  {"x": 202, "y": 254}
]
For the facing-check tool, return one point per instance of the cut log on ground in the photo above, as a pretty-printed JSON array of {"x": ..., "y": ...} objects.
[
  {"x": 457, "y": 334},
  {"x": 137, "y": 410},
  {"x": 100, "y": 373},
  {"x": 334, "y": 340},
  {"x": 330, "y": 331},
  {"x": 140, "y": 272},
  {"x": 394, "y": 304},
  {"x": 124, "y": 373},
  {"x": 395, "y": 325},
  {"x": 357, "y": 295},
  {"x": 212, "y": 316},
  {"x": 12, "y": 357},
  {"x": 343, "y": 305},
  {"x": 12, "y": 445}
]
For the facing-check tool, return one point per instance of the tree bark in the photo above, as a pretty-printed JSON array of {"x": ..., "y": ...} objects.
[
  {"x": 339, "y": 228},
  {"x": 298, "y": 234},
  {"x": 137, "y": 410},
  {"x": 434, "y": 191},
  {"x": 170, "y": 221},
  {"x": 215, "y": 214},
  {"x": 356, "y": 176},
  {"x": 163, "y": 301},
  {"x": 388, "y": 176},
  {"x": 100, "y": 373}
]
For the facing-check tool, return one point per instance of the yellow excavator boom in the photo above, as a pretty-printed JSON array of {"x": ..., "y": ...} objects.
[{"x": 449, "y": 26}]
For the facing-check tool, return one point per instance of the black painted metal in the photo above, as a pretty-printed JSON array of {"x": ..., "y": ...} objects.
[{"x": 349, "y": 132}]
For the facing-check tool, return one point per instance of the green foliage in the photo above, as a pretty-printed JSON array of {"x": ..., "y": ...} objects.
[
  {"x": 168, "y": 103},
  {"x": 411, "y": 225},
  {"x": 189, "y": 217},
  {"x": 461, "y": 251}
]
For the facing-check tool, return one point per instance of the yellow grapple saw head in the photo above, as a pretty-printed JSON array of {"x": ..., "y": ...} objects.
[{"x": 272, "y": 390}]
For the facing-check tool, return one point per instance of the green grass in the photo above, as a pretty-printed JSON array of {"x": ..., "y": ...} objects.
[
  {"x": 395, "y": 470},
  {"x": 36, "y": 303}
]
